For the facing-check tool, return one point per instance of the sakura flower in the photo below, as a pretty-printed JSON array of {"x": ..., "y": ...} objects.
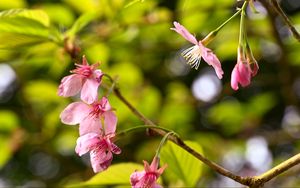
[
  {"x": 85, "y": 78},
  {"x": 97, "y": 117},
  {"x": 101, "y": 150},
  {"x": 148, "y": 177},
  {"x": 245, "y": 68},
  {"x": 194, "y": 54}
]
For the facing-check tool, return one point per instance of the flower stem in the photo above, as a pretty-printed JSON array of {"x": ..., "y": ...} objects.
[
  {"x": 228, "y": 20},
  {"x": 242, "y": 36},
  {"x": 164, "y": 139},
  {"x": 126, "y": 131}
]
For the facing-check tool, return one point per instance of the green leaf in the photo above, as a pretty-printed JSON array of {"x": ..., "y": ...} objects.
[
  {"x": 6, "y": 151},
  {"x": 11, "y": 40},
  {"x": 118, "y": 174},
  {"x": 181, "y": 164},
  {"x": 81, "y": 22},
  {"x": 36, "y": 15},
  {"x": 19, "y": 27},
  {"x": 8, "y": 121}
]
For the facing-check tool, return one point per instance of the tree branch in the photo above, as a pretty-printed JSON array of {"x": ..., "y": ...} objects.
[
  {"x": 276, "y": 7},
  {"x": 180, "y": 142},
  {"x": 253, "y": 182},
  {"x": 282, "y": 167}
]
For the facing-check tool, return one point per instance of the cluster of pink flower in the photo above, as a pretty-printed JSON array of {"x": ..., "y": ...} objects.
[
  {"x": 97, "y": 123},
  {"x": 245, "y": 68}
]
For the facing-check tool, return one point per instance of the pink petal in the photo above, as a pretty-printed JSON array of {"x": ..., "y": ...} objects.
[
  {"x": 184, "y": 32},
  {"x": 234, "y": 78},
  {"x": 74, "y": 113},
  {"x": 212, "y": 60},
  {"x": 90, "y": 124},
  {"x": 100, "y": 160},
  {"x": 86, "y": 143},
  {"x": 244, "y": 73},
  {"x": 105, "y": 104},
  {"x": 110, "y": 122},
  {"x": 254, "y": 68},
  {"x": 97, "y": 75},
  {"x": 136, "y": 177},
  {"x": 115, "y": 149},
  {"x": 154, "y": 164},
  {"x": 147, "y": 166},
  {"x": 70, "y": 85},
  {"x": 89, "y": 91}
]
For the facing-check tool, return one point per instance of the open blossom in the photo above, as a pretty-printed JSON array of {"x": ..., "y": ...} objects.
[
  {"x": 148, "y": 177},
  {"x": 245, "y": 68},
  {"x": 101, "y": 150},
  {"x": 92, "y": 117},
  {"x": 193, "y": 54},
  {"x": 85, "y": 78}
]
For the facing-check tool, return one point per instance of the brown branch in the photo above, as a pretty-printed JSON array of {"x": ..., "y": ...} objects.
[
  {"x": 279, "y": 169},
  {"x": 179, "y": 142},
  {"x": 275, "y": 5},
  {"x": 252, "y": 182}
]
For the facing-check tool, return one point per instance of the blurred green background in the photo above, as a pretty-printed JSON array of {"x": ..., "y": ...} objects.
[{"x": 247, "y": 131}]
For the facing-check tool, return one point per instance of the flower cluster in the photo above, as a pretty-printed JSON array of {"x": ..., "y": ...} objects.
[
  {"x": 148, "y": 177},
  {"x": 96, "y": 119},
  {"x": 246, "y": 66}
]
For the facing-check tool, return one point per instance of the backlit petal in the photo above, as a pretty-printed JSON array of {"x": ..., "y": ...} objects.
[
  {"x": 74, "y": 113},
  {"x": 70, "y": 85},
  {"x": 184, "y": 32},
  {"x": 86, "y": 143},
  {"x": 90, "y": 124},
  {"x": 89, "y": 91},
  {"x": 110, "y": 122}
]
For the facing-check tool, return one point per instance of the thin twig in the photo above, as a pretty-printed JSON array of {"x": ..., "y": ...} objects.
[{"x": 275, "y": 5}]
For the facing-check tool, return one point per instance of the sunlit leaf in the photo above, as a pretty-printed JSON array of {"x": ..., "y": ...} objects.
[
  {"x": 13, "y": 4},
  {"x": 35, "y": 15},
  {"x": 6, "y": 150},
  {"x": 81, "y": 22},
  {"x": 8, "y": 121},
  {"x": 20, "y": 26},
  {"x": 181, "y": 164},
  {"x": 260, "y": 104},
  {"x": 133, "y": 2},
  {"x": 60, "y": 14},
  {"x": 11, "y": 40},
  {"x": 42, "y": 95},
  {"x": 114, "y": 175},
  {"x": 229, "y": 114}
]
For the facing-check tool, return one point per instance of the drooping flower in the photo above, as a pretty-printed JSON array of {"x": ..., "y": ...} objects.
[
  {"x": 97, "y": 117},
  {"x": 101, "y": 149},
  {"x": 85, "y": 78},
  {"x": 245, "y": 68},
  {"x": 148, "y": 177},
  {"x": 194, "y": 54}
]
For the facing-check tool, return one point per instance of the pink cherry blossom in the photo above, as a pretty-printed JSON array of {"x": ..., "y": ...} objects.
[
  {"x": 101, "y": 150},
  {"x": 97, "y": 117},
  {"x": 148, "y": 177},
  {"x": 244, "y": 69},
  {"x": 193, "y": 54},
  {"x": 85, "y": 78}
]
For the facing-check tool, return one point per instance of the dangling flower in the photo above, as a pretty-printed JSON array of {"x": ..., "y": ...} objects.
[
  {"x": 148, "y": 177},
  {"x": 245, "y": 68},
  {"x": 92, "y": 118},
  {"x": 101, "y": 150},
  {"x": 85, "y": 78},
  {"x": 193, "y": 54}
]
